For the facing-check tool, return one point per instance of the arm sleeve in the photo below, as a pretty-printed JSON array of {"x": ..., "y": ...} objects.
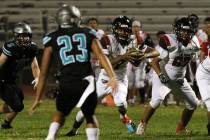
[
  {"x": 7, "y": 49},
  {"x": 163, "y": 52},
  {"x": 47, "y": 40},
  {"x": 204, "y": 48},
  {"x": 35, "y": 50}
]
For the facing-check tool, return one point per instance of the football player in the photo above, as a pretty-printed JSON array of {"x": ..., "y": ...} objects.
[
  {"x": 137, "y": 74},
  {"x": 71, "y": 46},
  {"x": 93, "y": 24},
  {"x": 16, "y": 54},
  {"x": 177, "y": 50},
  {"x": 192, "y": 66},
  {"x": 120, "y": 50},
  {"x": 203, "y": 72}
]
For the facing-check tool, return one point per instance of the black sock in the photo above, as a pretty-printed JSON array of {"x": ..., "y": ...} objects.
[
  {"x": 122, "y": 110},
  {"x": 142, "y": 95},
  {"x": 77, "y": 124}
]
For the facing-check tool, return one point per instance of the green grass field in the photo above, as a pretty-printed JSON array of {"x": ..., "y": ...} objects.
[{"x": 161, "y": 127}]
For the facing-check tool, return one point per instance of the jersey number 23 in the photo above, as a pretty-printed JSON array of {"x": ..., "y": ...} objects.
[{"x": 68, "y": 47}]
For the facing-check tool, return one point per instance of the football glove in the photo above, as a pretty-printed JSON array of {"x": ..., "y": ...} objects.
[
  {"x": 136, "y": 57},
  {"x": 35, "y": 82}
]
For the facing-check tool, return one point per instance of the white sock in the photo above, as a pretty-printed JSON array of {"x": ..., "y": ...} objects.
[
  {"x": 92, "y": 133},
  {"x": 54, "y": 126}
]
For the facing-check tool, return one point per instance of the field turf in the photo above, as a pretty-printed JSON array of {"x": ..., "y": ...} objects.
[{"x": 161, "y": 127}]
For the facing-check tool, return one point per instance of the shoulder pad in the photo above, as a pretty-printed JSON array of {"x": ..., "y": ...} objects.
[
  {"x": 10, "y": 44},
  {"x": 93, "y": 32},
  {"x": 33, "y": 44},
  {"x": 164, "y": 42}
]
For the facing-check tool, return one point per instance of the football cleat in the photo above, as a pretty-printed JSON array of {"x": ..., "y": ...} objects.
[
  {"x": 6, "y": 126},
  {"x": 180, "y": 129},
  {"x": 141, "y": 129},
  {"x": 129, "y": 124}
]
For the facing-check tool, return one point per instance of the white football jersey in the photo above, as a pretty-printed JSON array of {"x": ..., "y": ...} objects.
[
  {"x": 179, "y": 56},
  {"x": 99, "y": 34},
  {"x": 114, "y": 50},
  {"x": 206, "y": 62},
  {"x": 202, "y": 36}
]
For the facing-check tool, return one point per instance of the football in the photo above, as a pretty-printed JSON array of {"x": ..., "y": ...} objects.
[{"x": 137, "y": 55}]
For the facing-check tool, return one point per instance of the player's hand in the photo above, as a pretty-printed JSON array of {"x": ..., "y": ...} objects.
[
  {"x": 35, "y": 82},
  {"x": 134, "y": 55},
  {"x": 112, "y": 86},
  {"x": 34, "y": 106},
  {"x": 163, "y": 78}
]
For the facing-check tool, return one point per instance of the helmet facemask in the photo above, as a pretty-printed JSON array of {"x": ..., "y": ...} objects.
[
  {"x": 122, "y": 35},
  {"x": 184, "y": 30},
  {"x": 23, "y": 40},
  {"x": 22, "y": 34},
  {"x": 121, "y": 28},
  {"x": 184, "y": 36}
]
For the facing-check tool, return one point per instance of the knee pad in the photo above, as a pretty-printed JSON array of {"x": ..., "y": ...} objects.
[{"x": 155, "y": 103}]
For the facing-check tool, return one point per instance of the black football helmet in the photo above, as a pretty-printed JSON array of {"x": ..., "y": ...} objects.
[
  {"x": 184, "y": 30},
  {"x": 194, "y": 21},
  {"x": 121, "y": 28},
  {"x": 22, "y": 34},
  {"x": 68, "y": 16}
]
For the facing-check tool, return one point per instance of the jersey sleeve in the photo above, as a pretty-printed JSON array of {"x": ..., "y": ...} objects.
[
  {"x": 163, "y": 52},
  {"x": 105, "y": 41},
  {"x": 7, "y": 49},
  {"x": 164, "y": 42},
  {"x": 93, "y": 34},
  {"x": 34, "y": 50},
  {"x": 47, "y": 40},
  {"x": 204, "y": 47}
]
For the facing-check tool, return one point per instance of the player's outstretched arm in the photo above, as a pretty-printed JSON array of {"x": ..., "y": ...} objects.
[
  {"x": 155, "y": 65},
  {"x": 46, "y": 59},
  {"x": 35, "y": 72},
  {"x": 151, "y": 53},
  {"x": 105, "y": 63},
  {"x": 3, "y": 59}
]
